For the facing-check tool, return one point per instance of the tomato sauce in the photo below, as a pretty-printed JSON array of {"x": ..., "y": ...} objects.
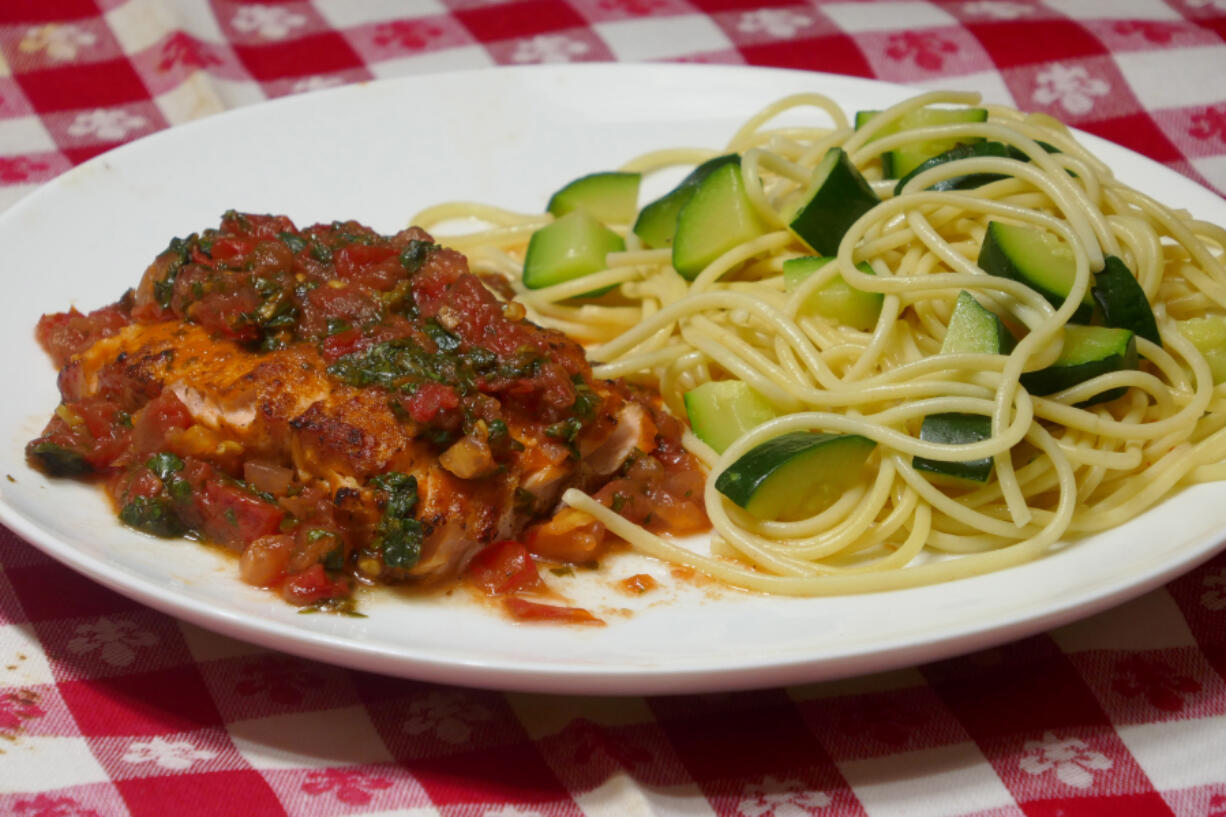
[{"x": 497, "y": 398}]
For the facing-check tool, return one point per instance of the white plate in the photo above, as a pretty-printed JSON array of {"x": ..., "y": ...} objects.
[{"x": 382, "y": 151}]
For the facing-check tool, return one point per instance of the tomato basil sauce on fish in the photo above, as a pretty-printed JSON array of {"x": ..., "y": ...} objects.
[{"x": 343, "y": 408}]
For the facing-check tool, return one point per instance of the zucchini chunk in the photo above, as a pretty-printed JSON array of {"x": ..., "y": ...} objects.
[
  {"x": 974, "y": 329},
  {"x": 838, "y": 195},
  {"x": 1208, "y": 334},
  {"x": 657, "y": 222},
  {"x": 1122, "y": 301},
  {"x": 723, "y": 410},
  {"x": 954, "y": 428},
  {"x": 901, "y": 161},
  {"x": 610, "y": 197},
  {"x": 795, "y": 475},
  {"x": 1088, "y": 352},
  {"x": 836, "y": 299},
  {"x": 970, "y": 151},
  {"x": 571, "y": 247},
  {"x": 1038, "y": 259},
  {"x": 718, "y": 217}
]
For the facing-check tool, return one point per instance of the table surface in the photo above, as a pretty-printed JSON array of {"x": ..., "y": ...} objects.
[{"x": 108, "y": 708}]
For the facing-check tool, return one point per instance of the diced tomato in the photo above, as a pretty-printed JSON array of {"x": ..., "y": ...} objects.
[
  {"x": 430, "y": 400},
  {"x": 372, "y": 265},
  {"x": 231, "y": 249},
  {"x": 524, "y": 610},
  {"x": 503, "y": 567},
  {"x": 157, "y": 422},
  {"x": 235, "y": 518},
  {"x": 312, "y": 585},
  {"x": 337, "y": 346},
  {"x": 64, "y": 334}
]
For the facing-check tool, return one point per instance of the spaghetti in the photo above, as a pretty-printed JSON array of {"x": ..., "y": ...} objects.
[{"x": 1061, "y": 468}]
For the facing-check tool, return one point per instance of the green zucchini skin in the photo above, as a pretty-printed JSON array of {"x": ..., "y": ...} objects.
[
  {"x": 1088, "y": 352},
  {"x": 610, "y": 197},
  {"x": 970, "y": 151},
  {"x": 570, "y": 247},
  {"x": 954, "y": 428},
  {"x": 723, "y": 410},
  {"x": 794, "y": 475},
  {"x": 717, "y": 218},
  {"x": 839, "y": 195},
  {"x": 656, "y": 224},
  {"x": 1122, "y": 301},
  {"x": 1037, "y": 259}
]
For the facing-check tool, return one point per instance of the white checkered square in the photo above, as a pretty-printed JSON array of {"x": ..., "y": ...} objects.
[
  {"x": 37, "y": 763},
  {"x": 432, "y": 62},
  {"x": 25, "y": 134},
  {"x": 332, "y": 737},
  {"x": 205, "y": 645},
  {"x": 197, "y": 19},
  {"x": 890, "y": 16},
  {"x": 1213, "y": 168},
  {"x": 660, "y": 38},
  {"x": 22, "y": 661},
  {"x": 193, "y": 98},
  {"x": 955, "y": 779},
  {"x": 621, "y": 795},
  {"x": 1175, "y": 78},
  {"x": 236, "y": 93},
  {"x": 1176, "y": 754},
  {"x": 1115, "y": 9},
  {"x": 1152, "y": 622},
  {"x": 350, "y": 13},
  {"x": 139, "y": 24}
]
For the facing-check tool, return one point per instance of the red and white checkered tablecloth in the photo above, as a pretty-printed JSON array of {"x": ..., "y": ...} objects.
[{"x": 108, "y": 708}]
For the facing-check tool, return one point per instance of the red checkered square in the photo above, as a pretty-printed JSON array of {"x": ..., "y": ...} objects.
[
  {"x": 312, "y": 55},
  {"x": 604, "y": 11},
  {"x": 11, "y": 611},
  {"x": 393, "y": 39},
  {"x": 758, "y": 734},
  {"x": 105, "y": 85},
  {"x": 201, "y": 795},
  {"x": 835, "y": 54},
  {"x": 347, "y": 789},
  {"x": 48, "y": 590},
  {"x": 1033, "y": 676},
  {"x": 489, "y": 776},
  {"x": 1194, "y": 132},
  {"x": 1137, "y": 132},
  {"x": 145, "y": 703},
  {"x": 272, "y": 684},
  {"x": 1146, "y": 803},
  {"x": 576, "y": 45},
  {"x": 103, "y": 127},
  {"x": 70, "y": 801},
  {"x": 1030, "y": 41},
  {"x": 908, "y": 56},
  {"x": 45, "y": 11},
  {"x": 429, "y": 721},
  {"x": 113, "y": 643},
  {"x": 861, "y": 726},
  {"x": 523, "y": 18},
  {"x": 16, "y": 552},
  {"x": 1209, "y": 801}
]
